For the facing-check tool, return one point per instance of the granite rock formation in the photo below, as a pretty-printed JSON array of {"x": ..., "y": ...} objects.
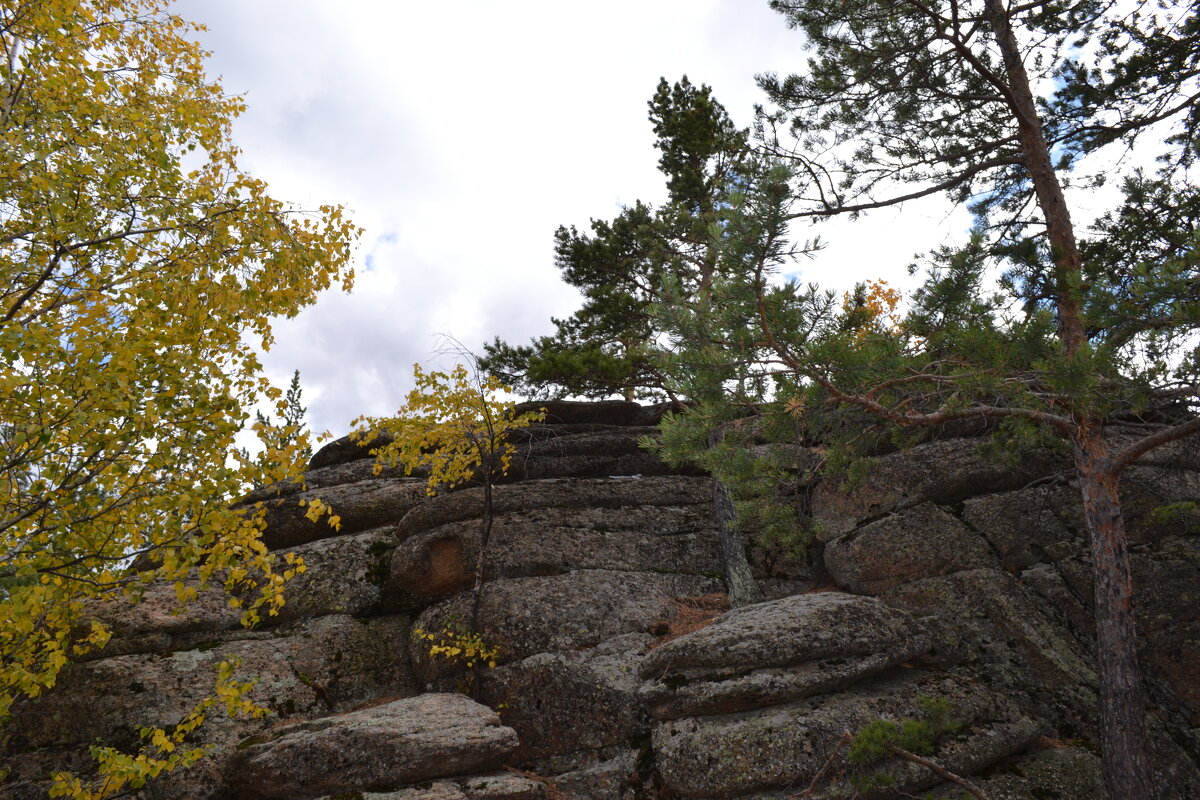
[{"x": 621, "y": 674}]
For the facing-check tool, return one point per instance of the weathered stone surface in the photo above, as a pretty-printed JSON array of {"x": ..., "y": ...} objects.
[
  {"x": 158, "y": 620},
  {"x": 594, "y": 493},
  {"x": 564, "y": 702},
  {"x": 583, "y": 572},
  {"x": 774, "y": 652},
  {"x": 378, "y": 748},
  {"x": 988, "y": 622},
  {"x": 608, "y": 780},
  {"x": 362, "y": 469},
  {"x": 343, "y": 575},
  {"x": 1167, "y": 603},
  {"x": 1023, "y": 526},
  {"x": 785, "y": 745},
  {"x": 1146, "y": 491},
  {"x": 492, "y": 786},
  {"x": 1062, "y": 773},
  {"x": 346, "y": 449},
  {"x": 364, "y": 505},
  {"x": 911, "y": 544},
  {"x": 944, "y": 472},
  {"x": 549, "y": 541},
  {"x": 321, "y": 666},
  {"x": 593, "y": 454},
  {"x": 525, "y": 616}
]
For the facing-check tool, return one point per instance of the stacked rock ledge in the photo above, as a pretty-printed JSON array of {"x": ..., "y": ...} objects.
[{"x": 942, "y": 575}]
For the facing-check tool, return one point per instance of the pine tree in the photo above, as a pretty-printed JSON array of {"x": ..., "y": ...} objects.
[
  {"x": 607, "y": 346},
  {"x": 905, "y": 100}
]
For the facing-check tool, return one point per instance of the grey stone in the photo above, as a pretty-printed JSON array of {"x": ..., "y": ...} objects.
[
  {"x": 945, "y": 472},
  {"x": 548, "y": 541},
  {"x": 361, "y": 506},
  {"x": 321, "y": 666},
  {"x": 346, "y": 449},
  {"x": 786, "y": 745},
  {"x": 594, "y": 493},
  {"x": 158, "y": 619},
  {"x": 602, "y": 412},
  {"x": 906, "y": 546},
  {"x": 492, "y": 786},
  {"x": 775, "y": 652},
  {"x": 608, "y": 780},
  {"x": 379, "y": 748},
  {"x": 525, "y": 616},
  {"x": 566, "y": 702},
  {"x": 343, "y": 575},
  {"x": 1022, "y": 526}
]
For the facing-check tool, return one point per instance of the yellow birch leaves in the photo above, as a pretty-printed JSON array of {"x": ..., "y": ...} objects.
[
  {"x": 139, "y": 271},
  {"x": 452, "y": 424}
]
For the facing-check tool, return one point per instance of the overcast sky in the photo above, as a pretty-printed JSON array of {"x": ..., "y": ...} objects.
[{"x": 460, "y": 135}]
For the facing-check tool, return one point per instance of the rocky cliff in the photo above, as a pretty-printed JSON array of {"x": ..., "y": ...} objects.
[{"x": 620, "y": 672}]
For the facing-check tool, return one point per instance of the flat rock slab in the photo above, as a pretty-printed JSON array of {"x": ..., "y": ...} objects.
[
  {"x": 915, "y": 543},
  {"x": 775, "y": 652},
  {"x": 362, "y": 506},
  {"x": 659, "y": 490},
  {"x": 786, "y": 745},
  {"x": 377, "y": 749},
  {"x": 547, "y": 541}
]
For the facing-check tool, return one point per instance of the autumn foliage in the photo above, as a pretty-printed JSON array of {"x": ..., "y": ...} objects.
[{"x": 140, "y": 269}]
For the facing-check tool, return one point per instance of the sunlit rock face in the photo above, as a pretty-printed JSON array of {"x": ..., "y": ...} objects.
[{"x": 619, "y": 670}]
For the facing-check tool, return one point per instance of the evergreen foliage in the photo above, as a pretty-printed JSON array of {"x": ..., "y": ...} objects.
[{"x": 622, "y": 266}]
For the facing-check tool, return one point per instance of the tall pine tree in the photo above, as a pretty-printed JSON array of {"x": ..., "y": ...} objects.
[{"x": 621, "y": 266}]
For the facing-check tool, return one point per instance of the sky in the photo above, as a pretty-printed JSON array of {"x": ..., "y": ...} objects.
[{"x": 460, "y": 136}]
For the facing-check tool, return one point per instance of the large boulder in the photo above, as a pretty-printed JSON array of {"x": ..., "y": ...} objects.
[
  {"x": 159, "y": 621},
  {"x": 526, "y": 616},
  {"x": 571, "y": 707},
  {"x": 323, "y": 665},
  {"x": 343, "y": 575},
  {"x": 943, "y": 472},
  {"x": 775, "y": 652},
  {"x": 911, "y": 544},
  {"x": 379, "y": 748}
]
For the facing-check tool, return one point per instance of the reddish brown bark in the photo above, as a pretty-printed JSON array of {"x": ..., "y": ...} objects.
[
  {"x": 1122, "y": 700},
  {"x": 1122, "y": 697}
]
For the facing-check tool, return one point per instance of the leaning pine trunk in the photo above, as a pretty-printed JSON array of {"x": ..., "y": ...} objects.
[
  {"x": 739, "y": 581},
  {"x": 1122, "y": 701},
  {"x": 1122, "y": 697}
]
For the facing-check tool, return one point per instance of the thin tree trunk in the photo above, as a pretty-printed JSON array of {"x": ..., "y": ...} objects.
[
  {"x": 485, "y": 533},
  {"x": 1122, "y": 702},
  {"x": 1122, "y": 696},
  {"x": 739, "y": 580}
]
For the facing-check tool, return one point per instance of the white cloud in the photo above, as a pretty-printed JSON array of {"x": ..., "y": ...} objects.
[{"x": 461, "y": 135}]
